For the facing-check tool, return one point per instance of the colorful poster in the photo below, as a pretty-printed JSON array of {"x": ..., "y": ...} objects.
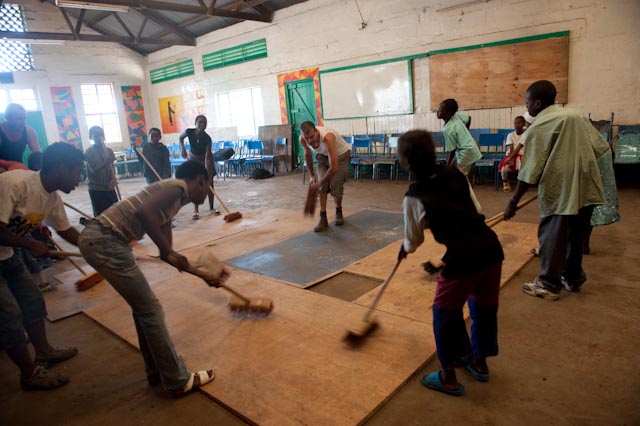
[
  {"x": 134, "y": 111},
  {"x": 299, "y": 75},
  {"x": 64, "y": 109},
  {"x": 171, "y": 111}
]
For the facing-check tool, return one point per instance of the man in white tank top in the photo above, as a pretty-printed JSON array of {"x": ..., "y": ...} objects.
[{"x": 333, "y": 155}]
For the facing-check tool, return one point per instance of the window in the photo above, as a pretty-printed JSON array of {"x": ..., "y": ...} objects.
[
  {"x": 14, "y": 55},
  {"x": 24, "y": 97},
  {"x": 242, "y": 109},
  {"x": 100, "y": 110}
]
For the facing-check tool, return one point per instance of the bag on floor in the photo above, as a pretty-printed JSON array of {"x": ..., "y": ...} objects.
[{"x": 260, "y": 174}]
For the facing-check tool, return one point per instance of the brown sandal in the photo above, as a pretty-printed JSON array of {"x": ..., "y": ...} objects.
[{"x": 196, "y": 381}]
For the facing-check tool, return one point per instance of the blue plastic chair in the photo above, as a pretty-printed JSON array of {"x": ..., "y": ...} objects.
[{"x": 361, "y": 154}]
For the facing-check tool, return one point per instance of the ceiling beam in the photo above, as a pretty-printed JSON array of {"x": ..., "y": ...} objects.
[
  {"x": 141, "y": 5},
  {"x": 239, "y": 5},
  {"x": 144, "y": 23},
  {"x": 69, "y": 24},
  {"x": 168, "y": 25},
  {"x": 80, "y": 20},
  {"x": 31, "y": 35},
  {"x": 123, "y": 25}
]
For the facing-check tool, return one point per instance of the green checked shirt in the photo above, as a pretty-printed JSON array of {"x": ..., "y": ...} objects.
[{"x": 561, "y": 158}]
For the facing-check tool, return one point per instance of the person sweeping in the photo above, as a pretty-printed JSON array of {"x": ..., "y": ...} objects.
[
  {"x": 440, "y": 199},
  {"x": 104, "y": 243}
]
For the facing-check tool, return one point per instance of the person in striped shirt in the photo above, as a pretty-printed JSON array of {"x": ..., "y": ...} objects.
[{"x": 104, "y": 243}]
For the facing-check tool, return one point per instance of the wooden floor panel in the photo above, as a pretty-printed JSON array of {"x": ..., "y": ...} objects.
[
  {"x": 291, "y": 367},
  {"x": 411, "y": 291}
]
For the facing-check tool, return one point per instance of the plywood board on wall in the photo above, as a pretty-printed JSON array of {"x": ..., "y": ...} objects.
[{"x": 498, "y": 75}]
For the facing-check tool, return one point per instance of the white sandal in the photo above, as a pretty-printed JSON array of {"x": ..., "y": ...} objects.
[{"x": 196, "y": 381}]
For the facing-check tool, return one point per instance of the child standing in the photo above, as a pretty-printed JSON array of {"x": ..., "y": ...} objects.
[
  {"x": 158, "y": 155},
  {"x": 104, "y": 243},
  {"x": 515, "y": 142},
  {"x": 102, "y": 174},
  {"x": 457, "y": 138},
  {"x": 199, "y": 150},
  {"x": 440, "y": 199}
]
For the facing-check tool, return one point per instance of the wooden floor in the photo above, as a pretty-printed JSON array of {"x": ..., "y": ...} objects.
[
  {"x": 264, "y": 365},
  {"x": 549, "y": 371}
]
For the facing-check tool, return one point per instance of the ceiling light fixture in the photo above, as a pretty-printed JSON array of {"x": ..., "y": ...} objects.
[{"x": 85, "y": 4}]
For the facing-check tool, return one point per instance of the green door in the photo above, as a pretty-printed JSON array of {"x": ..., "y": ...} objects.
[{"x": 301, "y": 107}]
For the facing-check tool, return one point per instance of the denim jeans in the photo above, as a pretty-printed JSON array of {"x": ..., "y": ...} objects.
[
  {"x": 20, "y": 302},
  {"x": 111, "y": 256}
]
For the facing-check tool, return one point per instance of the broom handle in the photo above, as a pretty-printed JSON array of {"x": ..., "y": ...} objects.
[
  {"x": 58, "y": 253},
  {"x": 367, "y": 316},
  {"x": 78, "y": 210},
  {"x": 494, "y": 220},
  {"x": 219, "y": 199},
  {"x": 148, "y": 163},
  {"x": 201, "y": 274},
  {"x": 68, "y": 258},
  {"x": 158, "y": 176}
]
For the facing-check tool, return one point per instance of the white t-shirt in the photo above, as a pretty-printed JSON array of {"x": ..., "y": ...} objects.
[
  {"x": 514, "y": 139},
  {"x": 25, "y": 204}
]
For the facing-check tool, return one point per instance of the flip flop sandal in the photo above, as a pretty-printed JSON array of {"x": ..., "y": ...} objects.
[
  {"x": 196, "y": 381},
  {"x": 195, "y": 216},
  {"x": 478, "y": 375},
  {"x": 58, "y": 355},
  {"x": 46, "y": 287},
  {"x": 432, "y": 381}
]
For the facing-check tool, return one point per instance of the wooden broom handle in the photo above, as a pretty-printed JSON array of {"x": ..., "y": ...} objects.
[
  {"x": 78, "y": 267},
  {"x": 494, "y": 220},
  {"x": 59, "y": 253},
  {"x": 207, "y": 277},
  {"x": 78, "y": 210}
]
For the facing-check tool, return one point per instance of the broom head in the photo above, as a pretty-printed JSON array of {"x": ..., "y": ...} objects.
[
  {"x": 359, "y": 331},
  {"x": 252, "y": 305},
  {"x": 88, "y": 281},
  {"x": 232, "y": 216},
  {"x": 310, "y": 202}
]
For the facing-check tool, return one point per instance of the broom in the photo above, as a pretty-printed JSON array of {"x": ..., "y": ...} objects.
[
  {"x": 237, "y": 303},
  {"x": 434, "y": 266},
  {"x": 310, "y": 202},
  {"x": 357, "y": 332},
  {"x": 88, "y": 280},
  {"x": 229, "y": 217}
]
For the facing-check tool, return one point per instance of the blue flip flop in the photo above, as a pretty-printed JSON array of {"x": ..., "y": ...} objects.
[
  {"x": 432, "y": 381},
  {"x": 479, "y": 376}
]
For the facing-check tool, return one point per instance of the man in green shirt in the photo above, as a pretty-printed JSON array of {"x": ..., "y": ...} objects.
[{"x": 561, "y": 158}]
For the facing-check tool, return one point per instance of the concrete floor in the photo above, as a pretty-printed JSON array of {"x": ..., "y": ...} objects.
[{"x": 570, "y": 362}]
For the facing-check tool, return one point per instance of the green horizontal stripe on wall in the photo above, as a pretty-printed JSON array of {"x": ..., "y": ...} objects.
[
  {"x": 170, "y": 72},
  {"x": 235, "y": 55},
  {"x": 501, "y": 43}
]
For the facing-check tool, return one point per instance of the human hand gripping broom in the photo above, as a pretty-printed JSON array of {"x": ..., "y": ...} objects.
[
  {"x": 229, "y": 217},
  {"x": 213, "y": 272}
]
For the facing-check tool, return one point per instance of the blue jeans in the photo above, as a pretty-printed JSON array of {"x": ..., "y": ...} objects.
[
  {"x": 111, "y": 256},
  {"x": 21, "y": 302}
]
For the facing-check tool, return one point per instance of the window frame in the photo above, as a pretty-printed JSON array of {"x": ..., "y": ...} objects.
[{"x": 95, "y": 116}]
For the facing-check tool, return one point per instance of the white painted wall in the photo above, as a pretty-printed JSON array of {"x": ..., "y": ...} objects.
[
  {"x": 73, "y": 64},
  {"x": 603, "y": 65}
]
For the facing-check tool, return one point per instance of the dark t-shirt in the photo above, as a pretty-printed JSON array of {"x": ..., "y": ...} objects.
[
  {"x": 199, "y": 144},
  {"x": 13, "y": 151},
  {"x": 454, "y": 221}
]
